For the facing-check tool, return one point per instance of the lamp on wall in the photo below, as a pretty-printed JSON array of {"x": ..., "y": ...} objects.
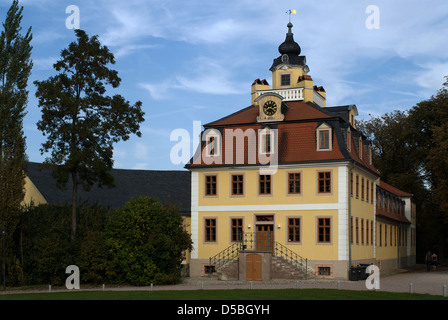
[
  {"x": 248, "y": 226},
  {"x": 278, "y": 226}
]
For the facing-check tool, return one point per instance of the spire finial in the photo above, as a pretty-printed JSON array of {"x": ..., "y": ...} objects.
[{"x": 291, "y": 12}]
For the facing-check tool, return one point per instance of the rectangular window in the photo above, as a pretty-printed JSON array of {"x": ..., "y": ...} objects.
[
  {"x": 324, "y": 139},
  {"x": 324, "y": 230},
  {"x": 371, "y": 232},
  {"x": 210, "y": 186},
  {"x": 357, "y": 231},
  {"x": 209, "y": 269},
  {"x": 368, "y": 190},
  {"x": 362, "y": 231},
  {"x": 237, "y": 229},
  {"x": 367, "y": 231},
  {"x": 285, "y": 79},
  {"x": 294, "y": 229},
  {"x": 293, "y": 183},
  {"x": 210, "y": 230},
  {"x": 324, "y": 182},
  {"x": 212, "y": 146},
  {"x": 324, "y": 271},
  {"x": 265, "y": 184},
  {"x": 351, "y": 184},
  {"x": 351, "y": 229},
  {"x": 267, "y": 142},
  {"x": 381, "y": 235},
  {"x": 357, "y": 186},
  {"x": 362, "y": 188},
  {"x": 237, "y": 184},
  {"x": 390, "y": 236},
  {"x": 395, "y": 235}
]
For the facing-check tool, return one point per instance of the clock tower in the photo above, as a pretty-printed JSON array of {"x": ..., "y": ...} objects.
[{"x": 290, "y": 78}]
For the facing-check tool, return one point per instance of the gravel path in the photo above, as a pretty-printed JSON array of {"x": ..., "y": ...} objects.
[{"x": 418, "y": 280}]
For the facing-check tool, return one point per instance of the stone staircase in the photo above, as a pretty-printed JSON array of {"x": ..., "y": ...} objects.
[
  {"x": 285, "y": 264},
  {"x": 229, "y": 271},
  {"x": 282, "y": 269}
]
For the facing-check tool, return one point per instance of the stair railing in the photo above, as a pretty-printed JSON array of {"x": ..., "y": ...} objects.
[
  {"x": 291, "y": 257},
  {"x": 250, "y": 242}
]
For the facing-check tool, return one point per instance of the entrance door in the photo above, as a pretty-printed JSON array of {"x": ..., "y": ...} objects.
[
  {"x": 264, "y": 237},
  {"x": 253, "y": 267}
]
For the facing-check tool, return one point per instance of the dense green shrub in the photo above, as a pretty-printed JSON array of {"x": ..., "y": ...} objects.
[
  {"x": 146, "y": 242},
  {"x": 141, "y": 243},
  {"x": 46, "y": 247}
]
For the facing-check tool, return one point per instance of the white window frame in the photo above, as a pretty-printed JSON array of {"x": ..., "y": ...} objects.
[
  {"x": 217, "y": 144},
  {"x": 262, "y": 141},
  {"x": 324, "y": 127}
]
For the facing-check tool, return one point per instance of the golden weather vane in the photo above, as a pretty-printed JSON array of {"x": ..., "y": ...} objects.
[{"x": 294, "y": 11}]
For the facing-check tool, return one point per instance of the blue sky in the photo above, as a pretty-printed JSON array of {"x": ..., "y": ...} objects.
[{"x": 196, "y": 60}]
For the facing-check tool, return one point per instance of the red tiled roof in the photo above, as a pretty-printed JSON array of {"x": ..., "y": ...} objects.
[
  {"x": 393, "y": 190},
  {"x": 388, "y": 214},
  {"x": 297, "y": 137},
  {"x": 365, "y": 159},
  {"x": 296, "y": 143},
  {"x": 297, "y": 110}
]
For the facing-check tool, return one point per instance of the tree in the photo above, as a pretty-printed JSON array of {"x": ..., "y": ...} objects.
[
  {"x": 15, "y": 68},
  {"x": 80, "y": 122},
  {"x": 147, "y": 242},
  {"x": 393, "y": 153},
  {"x": 429, "y": 121},
  {"x": 411, "y": 152}
]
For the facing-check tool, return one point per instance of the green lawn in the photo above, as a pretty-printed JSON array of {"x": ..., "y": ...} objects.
[{"x": 239, "y": 294}]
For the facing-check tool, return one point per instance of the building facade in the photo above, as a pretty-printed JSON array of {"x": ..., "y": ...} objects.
[{"x": 286, "y": 188}]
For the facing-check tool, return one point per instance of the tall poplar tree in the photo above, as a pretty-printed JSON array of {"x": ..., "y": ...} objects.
[
  {"x": 80, "y": 121},
  {"x": 15, "y": 68}
]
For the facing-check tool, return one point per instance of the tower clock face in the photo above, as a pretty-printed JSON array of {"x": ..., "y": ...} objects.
[{"x": 270, "y": 108}]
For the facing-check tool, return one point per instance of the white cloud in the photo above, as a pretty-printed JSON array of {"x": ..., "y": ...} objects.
[
  {"x": 44, "y": 63},
  {"x": 131, "y": 49},
  {"x": 210, "y": 77},
  {"x": 431, "y": 79}
]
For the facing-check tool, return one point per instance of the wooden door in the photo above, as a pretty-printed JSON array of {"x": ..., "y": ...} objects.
[
  {"x": 253, "y": 267},
  {"x": 264, "y": 237}
]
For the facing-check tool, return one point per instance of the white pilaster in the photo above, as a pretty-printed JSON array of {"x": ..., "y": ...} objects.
[
  {"x": 343, "y": 219},
  {"x": 194, "y": 213}
]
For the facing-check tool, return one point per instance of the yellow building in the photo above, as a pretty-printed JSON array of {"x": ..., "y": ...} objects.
[{"x": 285, "y": 188}]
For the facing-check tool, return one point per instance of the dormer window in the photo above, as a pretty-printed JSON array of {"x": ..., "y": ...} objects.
[
  {"x": 324, "y": 137},
  {"x": 266, "y": 141},
  {"x": 213, "y": 144}
]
